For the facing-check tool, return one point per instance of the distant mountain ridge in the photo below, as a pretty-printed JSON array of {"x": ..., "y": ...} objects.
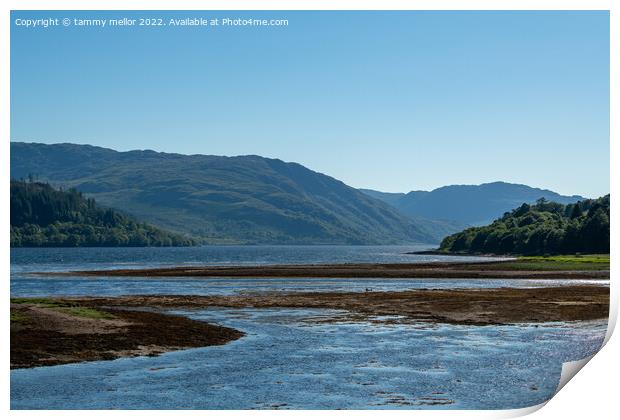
[
  {"x": 469, "y": 205},
  {"x": 243, "y": 199}
]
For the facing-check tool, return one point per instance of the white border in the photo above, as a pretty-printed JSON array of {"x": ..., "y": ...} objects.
[{"x": 593, "y": 393}]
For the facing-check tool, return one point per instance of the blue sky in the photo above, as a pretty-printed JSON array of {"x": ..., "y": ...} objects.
[{"x": 394, "y": 101}]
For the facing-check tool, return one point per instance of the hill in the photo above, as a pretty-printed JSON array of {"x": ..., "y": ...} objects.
[
  {"x": 43, "y": 216},
  {"x": 242, "y": 199},
  {"x": 539, "y": 229},
  {"x": 468, "y": 205}
]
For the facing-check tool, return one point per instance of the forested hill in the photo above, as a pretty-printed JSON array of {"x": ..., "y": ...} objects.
[
  {"x": 539, "y": 229},
  {"x": 44, "y": 216}
]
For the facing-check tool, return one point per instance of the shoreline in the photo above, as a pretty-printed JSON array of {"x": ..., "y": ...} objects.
[
  {"x": 505, "y": 269},
  {"x": 439, "y": 253},
  {"x": 47, "y": 331}
]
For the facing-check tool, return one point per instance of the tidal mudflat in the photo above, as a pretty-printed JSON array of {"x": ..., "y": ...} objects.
[
  {"x": 47, "y": 332},
  {"x": 441, "y": 270},
  {"x": 450, "y": 306},
  {"x": 315, "y": 342},
  {"x": 288, "y": 360}
]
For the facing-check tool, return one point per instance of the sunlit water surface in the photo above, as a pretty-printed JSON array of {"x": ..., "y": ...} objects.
[{"x": 288, "y": 359}]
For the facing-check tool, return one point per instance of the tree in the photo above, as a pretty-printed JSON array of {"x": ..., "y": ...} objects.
[
  {"x": 44, "y": 216},
  {"x": 543, "y": 228}
]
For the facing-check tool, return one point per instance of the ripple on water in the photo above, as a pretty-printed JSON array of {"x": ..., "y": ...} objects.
[{"x": 287, "y": 361}]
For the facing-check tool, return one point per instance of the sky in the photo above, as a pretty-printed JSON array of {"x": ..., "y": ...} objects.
[{"x": 392, "y": 101}]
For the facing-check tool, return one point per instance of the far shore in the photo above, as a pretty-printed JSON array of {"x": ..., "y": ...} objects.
[
  {"x": 503, "y": 269},
  {"x": 439, "y": 252}
]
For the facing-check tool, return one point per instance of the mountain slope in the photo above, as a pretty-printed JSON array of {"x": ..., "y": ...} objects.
[
  {"x": 243, "y": 199},
  {"x": 468, "y": 204},
  {"x": 542, "y": 228},
  {"x": 43, "y": 216}
]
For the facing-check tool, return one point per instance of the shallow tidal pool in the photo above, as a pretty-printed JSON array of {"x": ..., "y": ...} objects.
[{"x": 292, "y": 359}]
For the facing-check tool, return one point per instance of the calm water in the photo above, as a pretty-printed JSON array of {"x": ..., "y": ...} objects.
[
  {"x": 26, "y": 261},
  {"x": 59, "y": 259},
  {"x": 287, "y": 359}
]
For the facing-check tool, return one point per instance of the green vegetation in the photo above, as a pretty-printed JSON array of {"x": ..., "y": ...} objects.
[
  {"x": 573, "y": 259},
  {"x": 545, "y": 228},
  {"x": 559, "y": 262},
  {"x": 68, "y": 308},
  {"x": 42, "y": 216},
  {"x": 18, "y": 317},
  {"x": 225, "y": 200},
  {"x": 468, "y": 205}
]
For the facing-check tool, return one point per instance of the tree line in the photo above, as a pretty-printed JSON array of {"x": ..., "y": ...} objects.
[
  {"x": 42, "y": 216},
  {"x": 540, "y": 229}
]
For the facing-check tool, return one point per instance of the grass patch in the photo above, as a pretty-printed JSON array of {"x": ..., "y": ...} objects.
[
  {"x": 18, "y": 317},
  {"x": 87, "y": 313},
  {"x": 578, "y": 262},
  {"x": 583, "y": 259},
  {"x": 64, "y": 307}
]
